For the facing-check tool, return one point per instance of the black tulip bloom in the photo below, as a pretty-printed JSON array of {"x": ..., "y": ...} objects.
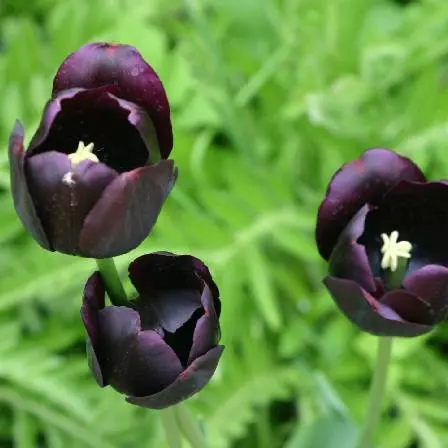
[
  {"x": 162, "y": 347},
  {"x": 383, "y": 230},
  {"x": 95, "y": 175}
]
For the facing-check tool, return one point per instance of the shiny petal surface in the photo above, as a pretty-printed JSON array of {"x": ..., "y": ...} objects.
[
  {"x": 134, "y": 362},
  {"x": 167, "y": 310},
  {"x": 121, "y": 66},
  {"x": 93, "y": 301},
  {"x": 188, "y": 383},
  {"x": 161, "y": 271},
  {"x": 127, "y": 210},
  {"x": 19, "y": 188},
  {"x": 64, "y": 194},
  {"x": 122, "y": 133},
  {"x": 365, "y": 180},
  {"x": 409, "y": 307},
  {"x": 369, "y": 314},
  {"x": 430, "y": 284},
  {"x": 207, "y": 333},
  {"x": 349, "y": 258}
]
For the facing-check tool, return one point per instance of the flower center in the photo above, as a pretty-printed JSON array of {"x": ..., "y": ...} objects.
[
  {"x": 83, "y": 153},
  {"x": 392, "y": 250}
]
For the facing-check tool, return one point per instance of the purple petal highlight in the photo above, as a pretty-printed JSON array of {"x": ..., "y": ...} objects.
[
  {"x": 188, "y": 383},
  {"x": 127, "y": 210},
  {"x": 207, "y": 333},
  {"x": 23, "y": 202},
  {"x": 368, "y": 313},
  {"x": 349, "y": 258},
  {"x": 430, "y": 284}
]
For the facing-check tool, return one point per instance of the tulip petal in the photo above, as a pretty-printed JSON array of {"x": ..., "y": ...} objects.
[
  {"x": 349, "y": 258},
  {"x": 365, "y": 180},
  {"x": 430, "y": 284},
  {"x": 122, "y": 133},
  {"x": 188, "y": 383},
  {"x": 166, "y": 271},
  {"x": 167, "y": 310},
  {"x": 64, "y": 194},
  {"x": 409, "y": 307},
  {"x": 94, "y": 364},
  {"x": 134, "y": 362},
  {"x": 22, "y": 200},
  {"x": 93, "y": 301},
  {"x": 368, "y": 313},
  {"x": 207, "y": 333},
  {"x": 127, "y": 210},
  {"x": 122, "y": 66}
]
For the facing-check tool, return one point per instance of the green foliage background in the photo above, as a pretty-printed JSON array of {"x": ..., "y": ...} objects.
[{"x": 269, "y": 98}]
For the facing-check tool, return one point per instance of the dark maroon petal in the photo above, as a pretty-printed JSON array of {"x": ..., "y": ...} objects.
[
  {"x": 203, "y": 271},
  {"x": 409, "y": 307},
  {"x": 118, "y": 329},
  {"x": 369, "y": 314},
  {"x": 51, "y": 111},
  {"x": 127, "y": 210},
  {"x": 418, "y": 212},
  {"x": 122, "y": 133},
  {"x": 94, "y": 365},
  {"x": 22, "y": 200},
  {"x": 207, "y": 333},
  {"x": 365, "y": 180},
  {"x": 430, "y": 284},
  {"x": 134, "y": 362},
  {"x": 161, "y": 271},
  {"x": 64, "y": 194},
  {"x": 93, "y": 301},
  {"x": 349, "y": 258},
  {"x": 99, "y": 64},
  {"x": 188, "y": 383},
  {"x": 167, "y": 310}
]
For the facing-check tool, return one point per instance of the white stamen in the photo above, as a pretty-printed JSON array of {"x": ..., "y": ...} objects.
[
  {"x": 83, "y": 153},
  {"x": 392, "y": 249}
]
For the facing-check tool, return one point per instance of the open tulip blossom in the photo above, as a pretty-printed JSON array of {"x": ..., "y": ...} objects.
[
  {"x": 95, "y": 175},
  {"x": 162, "y": 347},
  {"x": 382, "y": 227}
]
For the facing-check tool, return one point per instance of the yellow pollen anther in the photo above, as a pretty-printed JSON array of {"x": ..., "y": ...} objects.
[
  {"x": 392, "y": 249},
  {"x": 83, "y": 153}
]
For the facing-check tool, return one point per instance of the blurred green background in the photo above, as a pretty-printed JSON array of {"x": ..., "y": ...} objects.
[{"x": 269, "y": 98}]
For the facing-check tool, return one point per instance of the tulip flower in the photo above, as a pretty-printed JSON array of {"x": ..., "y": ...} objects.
[
  {"x": 95, "y": 176},
  {"x": 382, "y": 229},
  {"x": 161, "y": 347}
]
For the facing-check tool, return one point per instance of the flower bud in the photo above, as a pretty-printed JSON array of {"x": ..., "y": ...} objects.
[{"x": 162, "y": 347}]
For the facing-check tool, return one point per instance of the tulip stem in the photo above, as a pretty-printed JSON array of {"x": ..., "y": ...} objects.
[
  {"x": 377, "y": 389},
  {"x": 112, "y": 280},
  {"x": 189, "y": 427},
  {"x": 172, "y": 432}
]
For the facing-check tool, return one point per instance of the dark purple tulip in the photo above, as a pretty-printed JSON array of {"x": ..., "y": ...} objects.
[
  {"x": 95, "y": 176},
  {"x": 163, "y": 346},
  {"x": 378, "y": 211}
]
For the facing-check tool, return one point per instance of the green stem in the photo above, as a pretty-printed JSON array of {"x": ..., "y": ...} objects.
[
  {"x": 377, "y": 389},
  {"x": 172, "y": 432},
  {"x": 190, "y": 427},
  {"x": 112, "y": 280}
]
